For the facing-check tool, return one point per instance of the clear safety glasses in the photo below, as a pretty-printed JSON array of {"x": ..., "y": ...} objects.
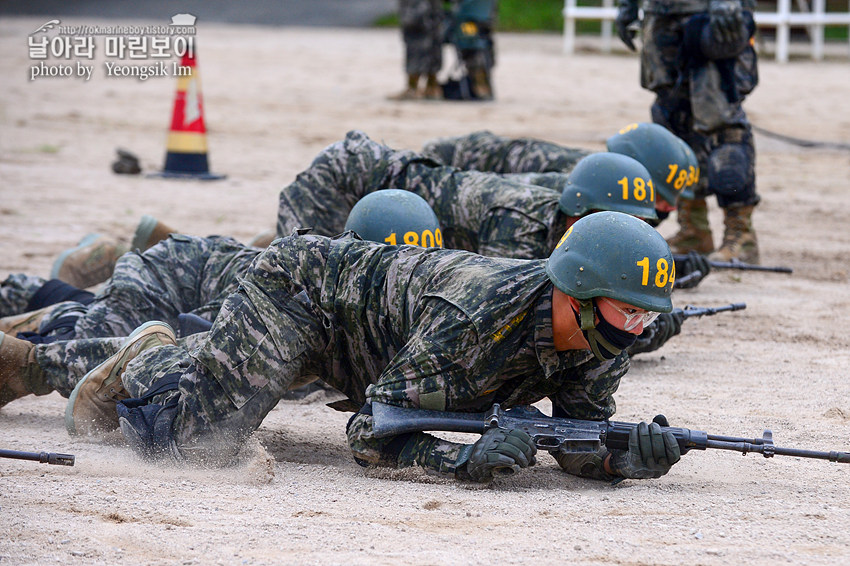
[{"x": 634, "y": 317}]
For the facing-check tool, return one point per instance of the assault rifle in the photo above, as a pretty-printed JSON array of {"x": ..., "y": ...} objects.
[
  {"x": 691, "y": 311},
  {"x": 571, "y": 435},
  {"x": 42, "y": 457},
  {"x": 735, "y": 264}
]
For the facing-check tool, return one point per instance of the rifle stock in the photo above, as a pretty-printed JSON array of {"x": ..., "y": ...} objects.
[{"x": 571, "y": 435}]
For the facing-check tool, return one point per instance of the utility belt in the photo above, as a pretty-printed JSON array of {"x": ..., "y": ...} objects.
[{"x": 683, "y": 7}]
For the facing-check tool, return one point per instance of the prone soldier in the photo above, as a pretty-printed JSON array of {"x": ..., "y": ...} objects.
[
  {"x": 414, "y": 327},
  {"x": 182, "y": 281}
]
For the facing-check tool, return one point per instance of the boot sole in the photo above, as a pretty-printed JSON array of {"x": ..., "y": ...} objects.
[
  {"x": 57, "y": 265},
  {"x": 143, "y": 232},
  {"x": 72, "y": 399}
]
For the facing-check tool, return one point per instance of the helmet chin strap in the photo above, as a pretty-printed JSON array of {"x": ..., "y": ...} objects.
[{"x": 601, "y": 347}]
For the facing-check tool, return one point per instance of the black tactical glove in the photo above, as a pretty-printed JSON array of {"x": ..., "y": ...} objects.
[
  {"x": 726, "y": 20},
  {"x": 500, "y": 451},
  {"x": 684, "y": 270},
  {"x": 667, "y": 325},
  {"x": 651, "y": 452},
  {"x": 627, "y": 14}
]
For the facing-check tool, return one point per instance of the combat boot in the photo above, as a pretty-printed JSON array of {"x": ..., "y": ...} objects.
[
  {"x": 263, "y": 239},
  {"x": 91, "y": 406},
  {"x": 20, "y": 374},
  {"x": 481, "y": 84},
  {"x": 694, "y": 231},
  {"x": 149, "y": 232},
  {"x": 739, "y": 238},
  {"x": 88, "y": 263},
  {"x": 433, "y": 90},
  {"x": 412, "y": 91},
  {"x": 26, "y": 322}
]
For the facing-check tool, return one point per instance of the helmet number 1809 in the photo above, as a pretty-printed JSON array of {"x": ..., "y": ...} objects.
[
  {"x": 663, "y": 275},
  {"x": 428, "y": 239}
]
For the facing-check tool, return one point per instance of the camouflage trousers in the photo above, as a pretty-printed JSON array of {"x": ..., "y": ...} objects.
[
  {"x": 693, "y": 102},
  {"x": 16, "y": 292},
  {"x": 182, "y": 274},
  {"x": 268, "y": 338},
  {"x": 422, "y": 31},
  {"x": 485, "y": 151}
]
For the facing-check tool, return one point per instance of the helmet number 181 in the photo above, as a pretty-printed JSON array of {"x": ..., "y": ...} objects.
[{"x": 639, "y": 187}]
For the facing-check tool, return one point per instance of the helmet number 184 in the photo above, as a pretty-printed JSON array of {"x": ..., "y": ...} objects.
[{"x": 663, "y": 273}]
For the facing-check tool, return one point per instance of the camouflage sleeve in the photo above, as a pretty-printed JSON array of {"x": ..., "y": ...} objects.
[
  {"x": 441, "y": 150},
  {"x": 434, "y": 370},
  {"x": 322, "y": 196},
  {"x": 591, "y": 397},
  {"x": 416, "y": 449},
  {"x": 511, "y": 234},
  {"x": 553, "y": 181},
  {"x": 591, "y": 394},
  {"x": 585, "y": 465}
]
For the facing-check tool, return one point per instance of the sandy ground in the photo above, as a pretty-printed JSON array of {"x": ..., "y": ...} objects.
[{"x": 274, "y": 98}]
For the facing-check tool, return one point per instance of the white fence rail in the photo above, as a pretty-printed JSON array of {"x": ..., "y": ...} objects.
[{"x": 782, "y": 20}]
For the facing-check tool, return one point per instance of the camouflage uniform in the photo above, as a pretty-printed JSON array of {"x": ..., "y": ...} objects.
[
  {"x": 410, "y": 326},
  {"x": 16, "y": 292},
  {"x": 421, "y": 29},
  {"x": 485, "y": 151},
  {"x": 478, "y": 212},
  {"x": 183, "y": 274},
  {"x": 696, "y": 104}
]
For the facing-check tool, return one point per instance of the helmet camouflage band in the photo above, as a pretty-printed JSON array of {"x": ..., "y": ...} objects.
[
  {"x": 693, "y": 171},
  {"x": 393, "y": 216},
  {"x": 659, "y": 151},
  {"x": 609, "y": 181},
  {"x": 611, "y": 254}
]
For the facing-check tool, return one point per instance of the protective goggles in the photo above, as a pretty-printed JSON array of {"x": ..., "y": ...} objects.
[{"x": 634, "y": 317}]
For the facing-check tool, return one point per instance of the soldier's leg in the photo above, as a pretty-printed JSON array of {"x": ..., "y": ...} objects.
[
  {"x": 16, "y": 292},
  {"x": 731, "y": 177},
  {"x": 485, "y": 151},
  {"x": 420, "y": 27},
  {"x": 30, "y": 369},
  {"x": 40, "y": 302},
  {"x": 321, "y": 197},
  {"x": 182, "y": 274},
  {"x": 92, "y": 260},
  {"x": 267, "y": 336},
  {"x": 729, "y": 170}
]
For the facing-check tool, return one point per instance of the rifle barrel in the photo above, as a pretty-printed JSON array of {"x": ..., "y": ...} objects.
[
  {"x": 41, "y": 457},
  {"x": 749, "y": 266}
]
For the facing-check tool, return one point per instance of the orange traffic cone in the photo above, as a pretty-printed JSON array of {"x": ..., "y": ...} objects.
[{"x": 186, "y": 150}]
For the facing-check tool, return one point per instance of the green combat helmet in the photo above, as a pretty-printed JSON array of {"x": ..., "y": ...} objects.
[
  {"x": 693, "y": 171},
  {"x": 659, "y": 151},
  {"x": 393, "y": 216},
  {"x": 611, "y": 254},
  {"x": 609, "y": 181}
]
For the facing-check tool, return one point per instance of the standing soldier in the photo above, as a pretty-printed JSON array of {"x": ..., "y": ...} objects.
[
  {"x": 698, "y": 58},
  {"x": 421, "y": 29}
]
